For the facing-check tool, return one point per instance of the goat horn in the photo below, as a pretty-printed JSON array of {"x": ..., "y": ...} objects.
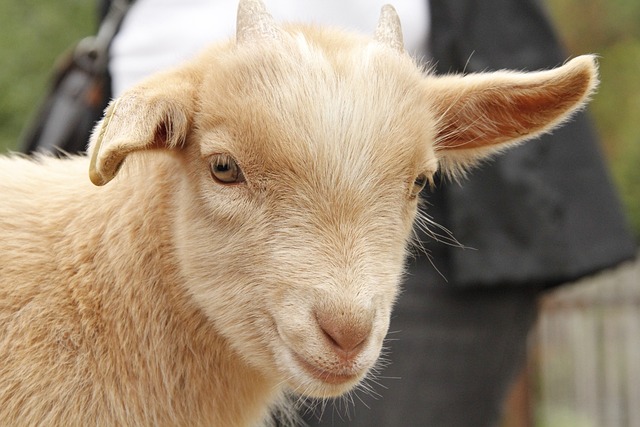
[
  {"x": 389, "y": 30},
  {"x": 254, "y": 22}
]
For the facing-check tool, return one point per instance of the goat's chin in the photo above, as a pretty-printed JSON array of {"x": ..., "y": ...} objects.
[{"x": 325, "y": 391}]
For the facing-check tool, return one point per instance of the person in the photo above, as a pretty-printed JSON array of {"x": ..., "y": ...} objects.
[
  {"x": 158, "y": 34},
  {"x": 543, "y": 214}
]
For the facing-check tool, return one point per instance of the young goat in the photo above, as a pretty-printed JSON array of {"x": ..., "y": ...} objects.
[{"x": 253, "y": 241}]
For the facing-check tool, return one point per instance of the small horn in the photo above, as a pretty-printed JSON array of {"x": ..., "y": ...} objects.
[
  {"x": 389, "y": 30},
  {"x": 254, "y": 22}
]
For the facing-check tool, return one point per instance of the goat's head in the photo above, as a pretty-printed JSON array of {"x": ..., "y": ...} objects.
[{"x": 303, "y": 153}]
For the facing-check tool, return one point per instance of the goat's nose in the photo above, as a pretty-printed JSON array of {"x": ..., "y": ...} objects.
[{"x": 346, "y": 335}]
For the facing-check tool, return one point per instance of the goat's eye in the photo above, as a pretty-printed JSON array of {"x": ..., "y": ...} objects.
[
  {"x": 419, "y": 183},
  {"x": 225, "y": 170}
]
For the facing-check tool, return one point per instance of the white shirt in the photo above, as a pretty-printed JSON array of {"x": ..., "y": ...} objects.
[{"x": 157, "y": 34}]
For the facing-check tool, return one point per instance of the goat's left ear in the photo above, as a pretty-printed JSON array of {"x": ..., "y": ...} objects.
[
  {"x": 156, "y": 114},
  {"x": 479, "y": 114}
]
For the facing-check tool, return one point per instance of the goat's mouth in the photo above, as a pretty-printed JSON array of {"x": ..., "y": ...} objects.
[
  {"x": 343, "y": 376},
  {"x": 321, "y": 371}
]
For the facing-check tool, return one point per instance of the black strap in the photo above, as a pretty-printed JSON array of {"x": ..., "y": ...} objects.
[
  {"x": 78, "y": 93},
  {"x": 97, "y": 47}
]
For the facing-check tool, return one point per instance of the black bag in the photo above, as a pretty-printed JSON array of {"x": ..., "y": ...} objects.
[{"x": 78, "y": 92}]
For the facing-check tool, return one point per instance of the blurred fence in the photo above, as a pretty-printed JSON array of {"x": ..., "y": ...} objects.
[{"x": 585, "y": 359}]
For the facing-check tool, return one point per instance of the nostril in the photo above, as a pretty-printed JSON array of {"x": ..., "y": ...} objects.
[{"x": 345, "y": 336}]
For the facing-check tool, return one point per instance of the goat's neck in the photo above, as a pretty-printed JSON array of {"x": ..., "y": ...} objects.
[{"x": 166, "y": 359}]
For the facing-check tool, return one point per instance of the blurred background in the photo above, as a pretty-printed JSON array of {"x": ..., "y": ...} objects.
[
  {"x": 33, "y": 33},
  {"x": 584, "y": 365},
  {"x": 611, "y": 29}
]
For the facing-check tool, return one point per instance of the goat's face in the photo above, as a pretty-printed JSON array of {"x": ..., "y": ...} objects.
[
  {"x": 310, "y": 236},
  {"x": 303, "y": 153}
]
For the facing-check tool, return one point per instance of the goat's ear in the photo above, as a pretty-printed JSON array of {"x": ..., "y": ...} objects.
[
  {"x": 480, "y": 114},
  {"x": 156, "y": 114}
]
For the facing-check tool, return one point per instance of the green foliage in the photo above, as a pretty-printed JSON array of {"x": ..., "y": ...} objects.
[
  {"x": 617, "y": 109},
  {"x": 557, "y": 416},
  {"x": 33, "y": 33},
  {"x": 611, "y": 28}
]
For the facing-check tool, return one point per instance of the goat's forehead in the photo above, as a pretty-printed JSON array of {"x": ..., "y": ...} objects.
[{"x": 325, "y": 98}]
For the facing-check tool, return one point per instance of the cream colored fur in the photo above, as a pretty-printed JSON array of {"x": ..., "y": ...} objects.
[{"x": 167, "y": 298}]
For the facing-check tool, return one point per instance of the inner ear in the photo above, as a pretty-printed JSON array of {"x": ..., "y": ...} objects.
[
  {"x": 141, "y": 119},
  {"x": 478, "y": 114},
  {"x": 505, "y": 112},
  {"x": 161, "y": 137}
]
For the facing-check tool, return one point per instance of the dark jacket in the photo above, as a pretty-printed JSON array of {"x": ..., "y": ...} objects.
[{"x": 543, "y": 213}]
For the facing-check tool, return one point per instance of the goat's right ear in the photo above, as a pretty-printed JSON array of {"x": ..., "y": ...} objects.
[{"x": 156, "y": 114}]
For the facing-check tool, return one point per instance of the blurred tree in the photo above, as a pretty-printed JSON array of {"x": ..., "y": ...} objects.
[
  {"x": 611, "y": 28},
  {"x": 33, "y": 33}
]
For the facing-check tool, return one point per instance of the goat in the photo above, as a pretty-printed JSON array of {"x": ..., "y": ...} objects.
[{"x": 246, "y": 234}]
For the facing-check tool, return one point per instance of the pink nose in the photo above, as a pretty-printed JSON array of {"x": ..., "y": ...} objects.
[{"x": 346, "y": 335}]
